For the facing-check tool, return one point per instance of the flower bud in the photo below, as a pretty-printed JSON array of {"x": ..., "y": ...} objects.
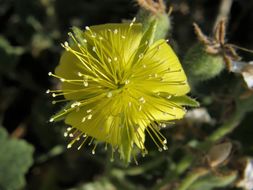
[{"x": 200, "y": 65}]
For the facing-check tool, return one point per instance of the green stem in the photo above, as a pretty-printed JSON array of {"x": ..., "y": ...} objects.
[
  {"x": 227, "y": 128},
  {"x": 138, "y": 170},
  {"x": 180, "y": 168},
  {"x": 191, "y": 178}
]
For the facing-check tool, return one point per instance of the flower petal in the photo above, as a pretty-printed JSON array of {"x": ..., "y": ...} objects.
[
  {"x": 164, "y": 69},
  {"x": 119, "y": 40}
]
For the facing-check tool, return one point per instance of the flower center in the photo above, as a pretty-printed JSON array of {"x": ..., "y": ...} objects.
[{"x": 120, "y": 85}]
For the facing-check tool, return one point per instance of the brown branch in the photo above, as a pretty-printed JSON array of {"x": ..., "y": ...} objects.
[{"x": 200, "y": 35}]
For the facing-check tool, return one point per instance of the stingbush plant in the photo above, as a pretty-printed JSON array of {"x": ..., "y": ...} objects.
[{"x": 120, "y": 85}]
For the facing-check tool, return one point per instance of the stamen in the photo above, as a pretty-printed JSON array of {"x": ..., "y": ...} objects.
[
  {"x": 142, "y": 100},
  {"x": 115, "y": 31},
  {"x": 109, "y": 94},
  {"x": 80, "y": 146},
  {"x": 93, "y": 150},
  {"x": 89, "y": 116}
]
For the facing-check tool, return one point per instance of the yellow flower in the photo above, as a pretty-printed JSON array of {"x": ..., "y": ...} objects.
[{"x": 120, "y": 86}]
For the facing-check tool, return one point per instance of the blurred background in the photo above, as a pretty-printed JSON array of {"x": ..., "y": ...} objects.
[{"x": 33, "y": 151}]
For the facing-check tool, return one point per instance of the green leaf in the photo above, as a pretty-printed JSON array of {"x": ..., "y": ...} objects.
[
  {"x": 210, "y": 182},
  {"x": 15, "y": 160},
  {"x": 78, "y": 36},
  {"x": 185, "y": 100},
  {"x": 146, "y": 40},
  {"x": 101, "y": 184},
  {"x": 8, "y": 48},
  {"x": 60, "y": 115}
]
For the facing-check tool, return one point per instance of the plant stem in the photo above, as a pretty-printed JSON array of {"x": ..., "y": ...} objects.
[
  {"x": 192, "y": 177},
  {"x": 227, "y": 127}
]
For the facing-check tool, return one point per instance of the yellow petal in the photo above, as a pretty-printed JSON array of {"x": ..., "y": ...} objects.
[
  {"x": 158, "y": 59},
  {"x": 117, "y": 40}
]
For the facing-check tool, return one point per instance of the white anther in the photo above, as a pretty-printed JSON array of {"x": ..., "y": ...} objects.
[
  {"x": 115, "y": 31},
  {"x": 79, "y": 74},
  {"x": 51, "y": 120},
  {"x": 93, "y": 48},
  {"x": 165, "y": 147},
  {"x": 69, "y": 128},
  {"x": 127, "y": 81},
  {"x": 141, "y": 56},
  {"x": 62, "y": 79},
  {"x": 84, "y": 40},
  {"x": 109, "y": 60},
  {"x": 142, "y": 100},
  {"x": 123, "y": 37},
  {"x": 85, "y": 83},
  {"x": 71, "y": 135},
  {"x": 115, "y": 59},
  {"x": 66, "y": 44},
  {"x": 87, "y": 27},
  {"x": 109, "y": 94},
  {"x": 65, "y": 134},
  {"x": 54, "y": 95},
  {"x": 50, "y": 73},
  {"x": 89, "y": 116},
  {"x": 69, "y": 146},
  {"x": 88, "y": 111},
  {"x": 163, "y": 125},
  {"x": 75, "y": 104},
  {"x": 83, "y": 120}
]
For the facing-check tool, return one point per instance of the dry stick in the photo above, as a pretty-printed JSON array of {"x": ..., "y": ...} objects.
[
  {"x": 224, "y": 11},
  {"x": 146, "y": 4}
]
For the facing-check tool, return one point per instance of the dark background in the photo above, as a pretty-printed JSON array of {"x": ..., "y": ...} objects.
[{"x": 30, "y": 35}]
